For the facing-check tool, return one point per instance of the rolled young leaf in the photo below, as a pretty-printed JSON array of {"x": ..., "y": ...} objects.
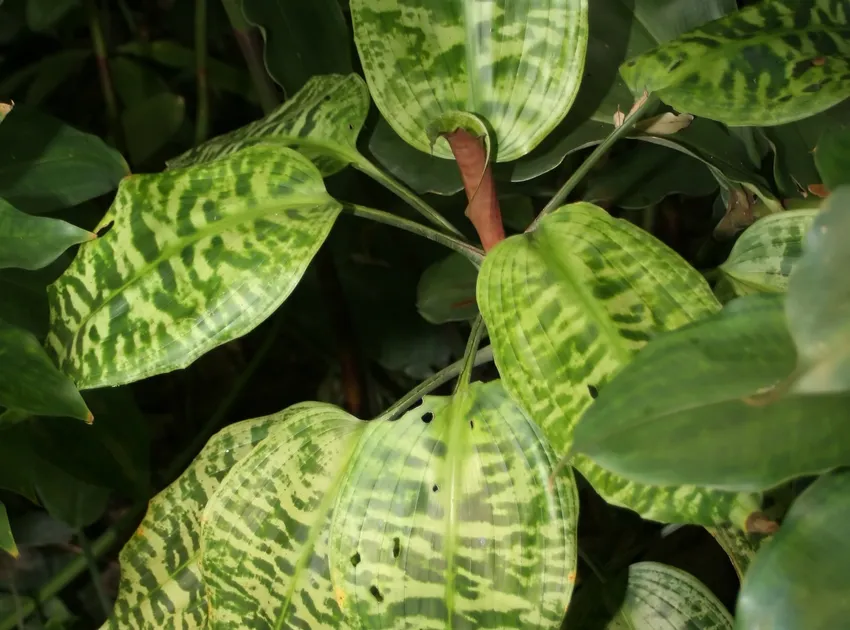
[
  {"x": 799, "y": 580},
  {"x": 770, "y": 63},
  {"x": 29, "y": 382},
  {"x": 516, "y": 64},
  {"x": 195, "y": 257},
  {"x": 29, "y": 242}
]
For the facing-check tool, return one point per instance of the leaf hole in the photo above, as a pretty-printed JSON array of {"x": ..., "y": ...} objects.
[
  {"x": 471, "y": 424},
  {"x": 396, "y": 547},
  {"x": 435, "y": 488},
  {"x": 105, "y": 229},
  {"x": 355, "y": 559},
  {"x": 592, "y": 391},
  {"x": 350, "y": 127},
  {"x": 427, "y": 417},
  {"x": 376, "y": 593}
]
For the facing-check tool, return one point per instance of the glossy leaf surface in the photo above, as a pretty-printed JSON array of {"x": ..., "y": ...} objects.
[
  {"x": 770, "y": 63},
  {"x": 694, "y": 405},
  {"x": 195, "y": 257},
  {"x": 322, "y": 121},
  {"x": 799, "y": 580},
  {"x": 764, "y": 255},
  {"x": 378, "y": 524},
  {"x": 29, "y": 242},
  {"x": 46, "y": 165},
  {"x": 818, "y": 300},
  {"x": 568, "y": 305},
  {"x": 7, "y": 541},
  {"x": 29, "y": 381},
  {"x": 516, "y": 64}
]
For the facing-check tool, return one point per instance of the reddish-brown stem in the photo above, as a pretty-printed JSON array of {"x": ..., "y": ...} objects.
[{"x": 483, "y": 209}]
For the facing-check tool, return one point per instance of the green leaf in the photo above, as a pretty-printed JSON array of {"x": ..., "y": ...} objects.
[
  {"x": 24, "y": 302},
  {"x": 567, "y": 306},
  {"x": 377, "y": 524},
  {"x": 322, "y": 121},
  {"x": 818, "y": 296},
  {"x": 446, "y": 291},
  {"x": 660, "y": 597},
  {"x": 517, "y": 66},
  {"x": 29, "y": 242},
  {"x": 696, "y": 403},
  {"x": 741, "y": 547},
  {"x": 770, "y": 63},
  {"x": 7, "y": 542},
  {"x": 52, "y": 72},
  {"x": 46, "y": 165},
  {"x": 150, "y": 124},
  {"x": 203, "y": 255},
  {"x": 799, "y": 580},
  {"x": 303, "y": 39},
  {"x": 75, "y": 502},
  {"x": 764, "y": 255},
  {"x": 161, "y": 582},
  {"x": 29, "y": 381},
  {"x": 832, "y": 156},
  {"x": 135, "y": 82},
  {"x": 43, "y": 14}
]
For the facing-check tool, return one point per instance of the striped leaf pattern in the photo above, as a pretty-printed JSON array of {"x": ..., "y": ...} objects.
[
  {"x": 660, "y": 597},
  {"x": 161, "y": 583},
  {"x": 771, "y": 63},
  {"x": 322, "y": 121},
  {"x": 566, "y": 306},
  {"x": 515, "y": 63},
  {"x": 447, "y": 521},
  {"x": 740, "y": 546},
  {"x": 764, "y": 255},
  {"x": 195, "y": 257}
]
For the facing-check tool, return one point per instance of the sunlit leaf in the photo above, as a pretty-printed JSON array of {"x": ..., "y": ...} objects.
[
  {"x": 818, "y": 299},
  {"x": 7, "y": 541},
  {"x": 29, "y": 242},
  {"x": 695, "y": 404},
  {"x": 764, "y": 255},
  {"x": 566, "y": 307},
  {"x": 799, "y": 580},
  {"x": 195, "y": 257},
  {"x": 798, "y": 64},
  {"x": 339, "y": 523},
  {"x": 517, "y": 65},
  {"x": 29, "y": 381}
]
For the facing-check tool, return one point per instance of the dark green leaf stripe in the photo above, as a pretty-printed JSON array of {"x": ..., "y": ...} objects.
[
  {"x": 660, "y": 597},
  {"x": 516, "y": 64},
  {"x": 771, "y": 63},
  {"x": 195, "y": 257},
  {"x": 567, "y": 306},
  {"x": 740, "y": 546},
  {"x": 322, "y": 120},
  {"x": 452, "y": 522},
  {"x": 764, "y": 255},
  {"x": 161, "y": 583}
]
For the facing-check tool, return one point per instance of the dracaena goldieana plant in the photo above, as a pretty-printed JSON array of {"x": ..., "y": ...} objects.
[{"x": 683, "y": 396}]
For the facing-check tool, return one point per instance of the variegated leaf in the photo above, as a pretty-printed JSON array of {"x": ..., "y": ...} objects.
[
  {"x": 661, "y": 597},
  {"x": 516, "y": 63},
  {"x": 195, "y": 257},
  {"x": 322, "y": 121},
  {"x": 764, "y": 255},
  {"x": 566, "y": 306},
  {"x": 161, "y": 583},
  {"x": 771, "y": 63},
  {"x": 443, "y": 518},
  {"x": 740, "y": 546}
]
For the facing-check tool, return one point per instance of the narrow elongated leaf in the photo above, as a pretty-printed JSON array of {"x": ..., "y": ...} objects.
[
  {"x": 196, "y": 257},
  {"x": 7, "y": 541},
  {"x": 695, "y": 404},
  {"x": 818, "y": 298},
  {"x": 660, "y": 597},
  {"x": 303, "y": 39},
  {"x": 161, "y": 583},
  {"x": 774, "y": 62},
  {"x": 46, "y": 165},
  {"x": 29, "y": 382},
  {"x": 568, "y": 305},
  {"x": 799, "y": 580},
  {"x": 444, "y": 518},
  {"x": 29, "y": 242},
  {"x": 517, "y": 65},
  {"x": 322, "y": 121},
  {"x": 832, "y": 156},
  {"x": 765, "y": 254}
]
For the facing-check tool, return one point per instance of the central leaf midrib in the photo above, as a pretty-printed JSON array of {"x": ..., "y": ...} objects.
[{"x": 173, "y": 250}]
